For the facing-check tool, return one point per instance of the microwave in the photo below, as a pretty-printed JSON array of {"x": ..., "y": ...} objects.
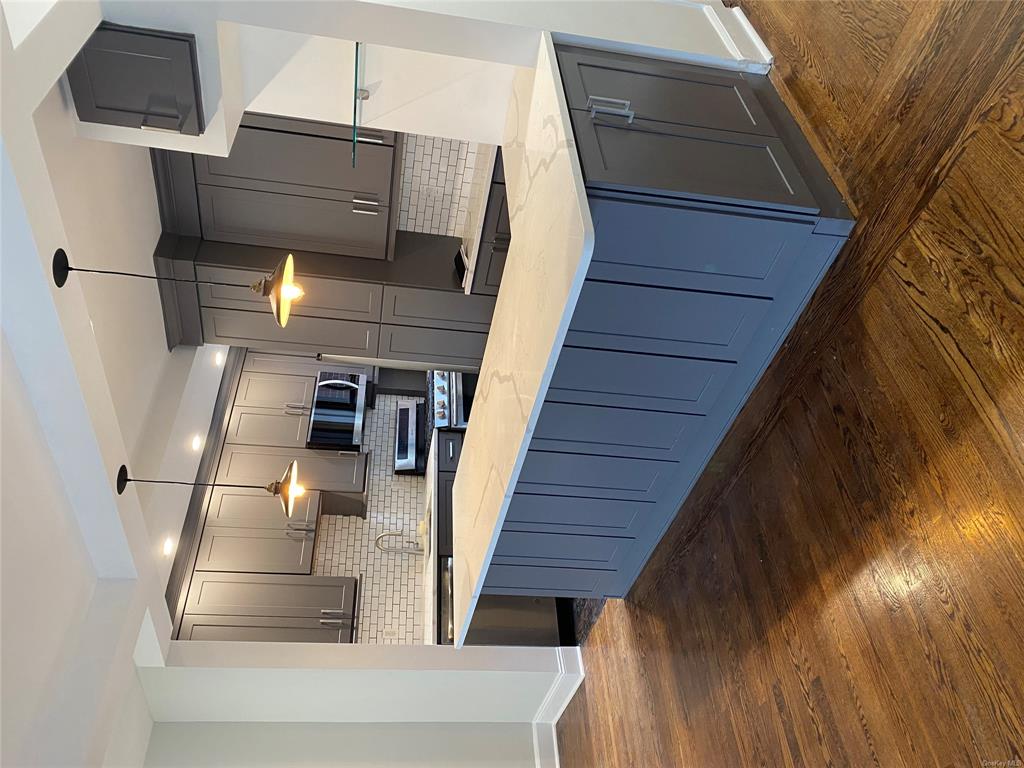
[{"x": 336, "y": 418}]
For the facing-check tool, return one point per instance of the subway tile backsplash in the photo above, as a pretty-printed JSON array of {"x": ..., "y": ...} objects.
[
  {"x": 391, "y": 585},
  {"x": 437, "y": 183}
]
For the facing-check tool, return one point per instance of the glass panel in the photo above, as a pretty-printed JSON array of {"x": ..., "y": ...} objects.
[{"x": 356, "y": 94}]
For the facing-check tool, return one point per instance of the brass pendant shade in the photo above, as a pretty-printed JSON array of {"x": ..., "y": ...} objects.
[
  {"x": 280, "y": 287},
  {"x": 288, "y": 489}
]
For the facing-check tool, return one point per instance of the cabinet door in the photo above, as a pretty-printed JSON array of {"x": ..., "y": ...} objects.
[
  {"x": 567, "y": 550},
  {"x": 445, "y": 482},
  {"x": 541, "y": 580},
  {"x": 571, "y": 514},
  {"x": 255, "y": 508},
  {"x": 432, "y": 346},
  {"x": 275, "y": 391},
  {"x": 318, "y": 470},
  {"x": 490, "y": 265},
  {"x": 265, "y": 426},
  {"x": 300, "y": 164},
  {"x": 264, "y": 629},
  {"x": 138, "y": 78},
  {"x": 663, "y": 321},
  {"x": 255, "y": 550},
  {"x": 668, "y": 92},
  {"x": 604, "y": 477},
  {"x": 249, "y": 594},
  {"x": 695, "y": 163},
  {"x": 347, "y": 227},
  {"x": 497, "y": 227},
  {"x": 257, "y": 330},
  {"x": 297, "y": 364},
  {"x": 449, "y": 449},
  {"x": 343, "y": 299},
  {"x": 425, "y": 308}
]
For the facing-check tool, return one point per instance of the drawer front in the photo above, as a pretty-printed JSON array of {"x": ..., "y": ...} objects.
[
  {"x": 665, "y": 91},
  {"x": 449, "y": 449},
  {"x": 317, "y": 128},
  {"x": 439, "y": 348},
  {"x": 689, "y": 246},
  {"x": 716, "y": 166},
  {"x": 424, "y": 308},
  {"x": 490, "y": 266},
  {"x": 255, "y": 508},
  {"x": 539, "y": 580},
  {"x": 258, "y": 330},
  {"x": 323, "y": 297},
  {"x": 663, "y": 321},
  {"x": 620, "y": 379},
  {"x": 297, "y": 164},
  {"x": 265, "y": 426},
  {"x": 566, "y": 550},
  {"x": 255, "y": 550},
  {"x": 596, "y": 429},
  {"x": 274, "y": 391},
  {"x": 234, "y": 594},
  {"x": 297, "y": 364},
  {"x": 569, "y": 514},
  {"x": 291, "y": 221},
  {"x": 604, "y": 477},
  {"x": 267, "y": 629}
]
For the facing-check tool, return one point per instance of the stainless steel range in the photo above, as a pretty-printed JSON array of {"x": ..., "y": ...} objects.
[{"x": 453, "y": 398}]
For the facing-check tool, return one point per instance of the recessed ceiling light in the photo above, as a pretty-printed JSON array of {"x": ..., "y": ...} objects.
[
  {"x": 218, "y": 359},
  {"x": 197, "y": 442},
  {"x": 168, "y": 546}
]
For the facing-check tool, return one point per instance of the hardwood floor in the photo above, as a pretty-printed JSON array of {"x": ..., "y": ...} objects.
[{"x": 846, "y": 584}]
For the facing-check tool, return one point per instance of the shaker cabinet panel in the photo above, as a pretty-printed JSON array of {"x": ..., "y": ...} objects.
[
  {"x": 257, "y": 330},
  {"x": 608, "y": 477},
  {"x": 300, "y": 164},
  {"x": 702, "y": 247},
  {"x": 274, "y": 390},
  {"x": 496, "y": 226},
  {"x": 568, "y": 550},
  {"x": 718, "y": 166},
  {"x": 255, "y": 508},
  {"x": 490, "y": 265},
  {"x": 348, "y": 227},
  {"x": 318, "y": 470},
  {"x": 438, "y": 347},
  {"x": 561, "y": 514},
  {"x": 664, "y": 321},
  {"x": 264, "y": 426},
  {"x": 323, "y": 297},
  {"x": 234, "y": 594},
  {"x": 425, "y": 308},
  {"x": 255, "y": 550},
  {"x": 139, "y": 78},
  {"x": 622, "y": 379},
  {"x": 268, "y": 629},
  {"x": 665, "y": 91},
  {"x": 502, "y": 579}
]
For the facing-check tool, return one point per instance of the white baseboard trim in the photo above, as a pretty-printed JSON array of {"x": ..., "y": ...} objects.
[{"x": 563, "y": 688}]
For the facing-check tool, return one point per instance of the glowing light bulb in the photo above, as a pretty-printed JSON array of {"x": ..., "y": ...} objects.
[
  {"x": 168, "y": 546},
  {"x": 218, "y": 359},
  {"x": 197, "y": 442},
  {"x": 296, "y": 490},
  {"x": 292, "y": 291}
]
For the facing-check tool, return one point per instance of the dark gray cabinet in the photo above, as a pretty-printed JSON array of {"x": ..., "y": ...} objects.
[
  {"x": 318, "y": 470},
  {"x": 275, "y": 391},
  {"x": 490, "y": 266},
  {"x": 304, "y": 334},
  {"x": 270, "y": 608},
  {"x": 255, "y": 508},
  {"x": 570, "y": 550},
  {"x": 139, "y": 78},
  {"x": 266, "y": 426},
  {"x": 604, "y": 477},
  {"x": 561, "y": 514},
  {"x": 443, "y": 510},
  {"x": 425, "y": 308},
  {"x": 256, "y": 550},
  {"x": 449, "y": 449},
  {"x": 434, "y": 346},
  {"x": 495, "y": 236}
]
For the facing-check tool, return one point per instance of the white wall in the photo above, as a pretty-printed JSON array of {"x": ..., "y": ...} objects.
[
  {"x": 45, "y": 571},
  {"x": 321, "y": 745},
  {"x": 130, "y": 738}
]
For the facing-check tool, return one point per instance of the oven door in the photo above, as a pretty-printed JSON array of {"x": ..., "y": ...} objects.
[{"x": 462, "y": 387}]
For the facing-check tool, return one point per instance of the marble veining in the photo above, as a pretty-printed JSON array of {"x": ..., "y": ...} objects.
[{"x": 552, "y": 242}]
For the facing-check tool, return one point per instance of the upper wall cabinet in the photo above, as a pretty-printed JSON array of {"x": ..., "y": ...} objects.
[{"x": 139, "y": 78}]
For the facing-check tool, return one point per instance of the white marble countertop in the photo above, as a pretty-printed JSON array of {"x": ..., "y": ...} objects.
[{"x": 552, "y": 242}]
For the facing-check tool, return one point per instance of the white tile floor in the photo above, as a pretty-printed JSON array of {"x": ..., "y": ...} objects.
[{"x": 391, "y": 585}]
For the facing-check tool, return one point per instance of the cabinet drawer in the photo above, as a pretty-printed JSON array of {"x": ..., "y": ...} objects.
[
  {"x": 268, "y": 629},
  {"x": 258, "y": 330},
  {"x": 299, "y": 164},
  {"x": 255, "y": 508},
  {"x": 317, "y": 128},
  {"x": 490, "y": 265},
  {"x": 597, "y": 429},
  {"x": 255, "y": 550},
  {"x": 445, "y": 481},
  {"x": 234, "y": 594},
  {"x": 570, "y": 514},
  {"x": 665, "y": 91},
  {"x": 665, "y": 321},
  {"x": 449, "y": 449},
  {"x": 539, "y": 580},
  {"x": 266, "y": 426},
  {"x": 275, "y": 391},
  {"x": 424, "y": 308},
  {"x": 565, "y": 550},
  {"x": 717, "y": 166},
  {"x": 439, "y": 348},
  {"x": 323, "y": 297},
  {"x": 605, "y": 477},
  {"x": 621, "y": 379},
  {"x": 297, "y": 364},
  {"x": 278, "y": 220},
  {"x": 704, "y": 247}
]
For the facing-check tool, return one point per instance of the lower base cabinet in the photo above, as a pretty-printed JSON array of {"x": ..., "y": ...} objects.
[{"x": 270, "y": 608}]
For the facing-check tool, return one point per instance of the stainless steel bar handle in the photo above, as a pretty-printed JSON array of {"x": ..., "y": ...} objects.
[
  {"x": 293, "y": 412},
  {"x": 296, "y": 405},
  {"x": 370, "y": 139},
  {"x": 332, "y": 622},
  {"x": 372, "y": 212},
  {"x": 604, "y": 105},
  {"x": 301, "y": 525},
  {"x": 367, "y": 201},
  {"x": 451, "y": 450},
  {"x": 335, "y": 612}
]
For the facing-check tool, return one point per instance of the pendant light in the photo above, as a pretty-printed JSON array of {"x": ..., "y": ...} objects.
[
  {"x": 279, "y": 286},
  {"x": 287, "y": 489}
]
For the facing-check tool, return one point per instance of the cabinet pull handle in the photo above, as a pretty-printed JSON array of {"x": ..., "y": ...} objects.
[
  {"x": 451, "y": 450},
  {"x": 335, "y": 612},
  {"x": 364, "y": 211},
  {"x": 294, "y": 405},
  {"x": 302, "y": 533},
  {"x": 332, "y": 622},
  {"x": 363, "y": 139},
  {"x": 293, "y": 412},
  {"x": 367, "y": 201},
  {"x": 603, "y": 105}
]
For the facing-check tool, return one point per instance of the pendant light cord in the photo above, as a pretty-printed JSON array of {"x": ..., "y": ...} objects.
[{"x": 156, "y": 277}]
